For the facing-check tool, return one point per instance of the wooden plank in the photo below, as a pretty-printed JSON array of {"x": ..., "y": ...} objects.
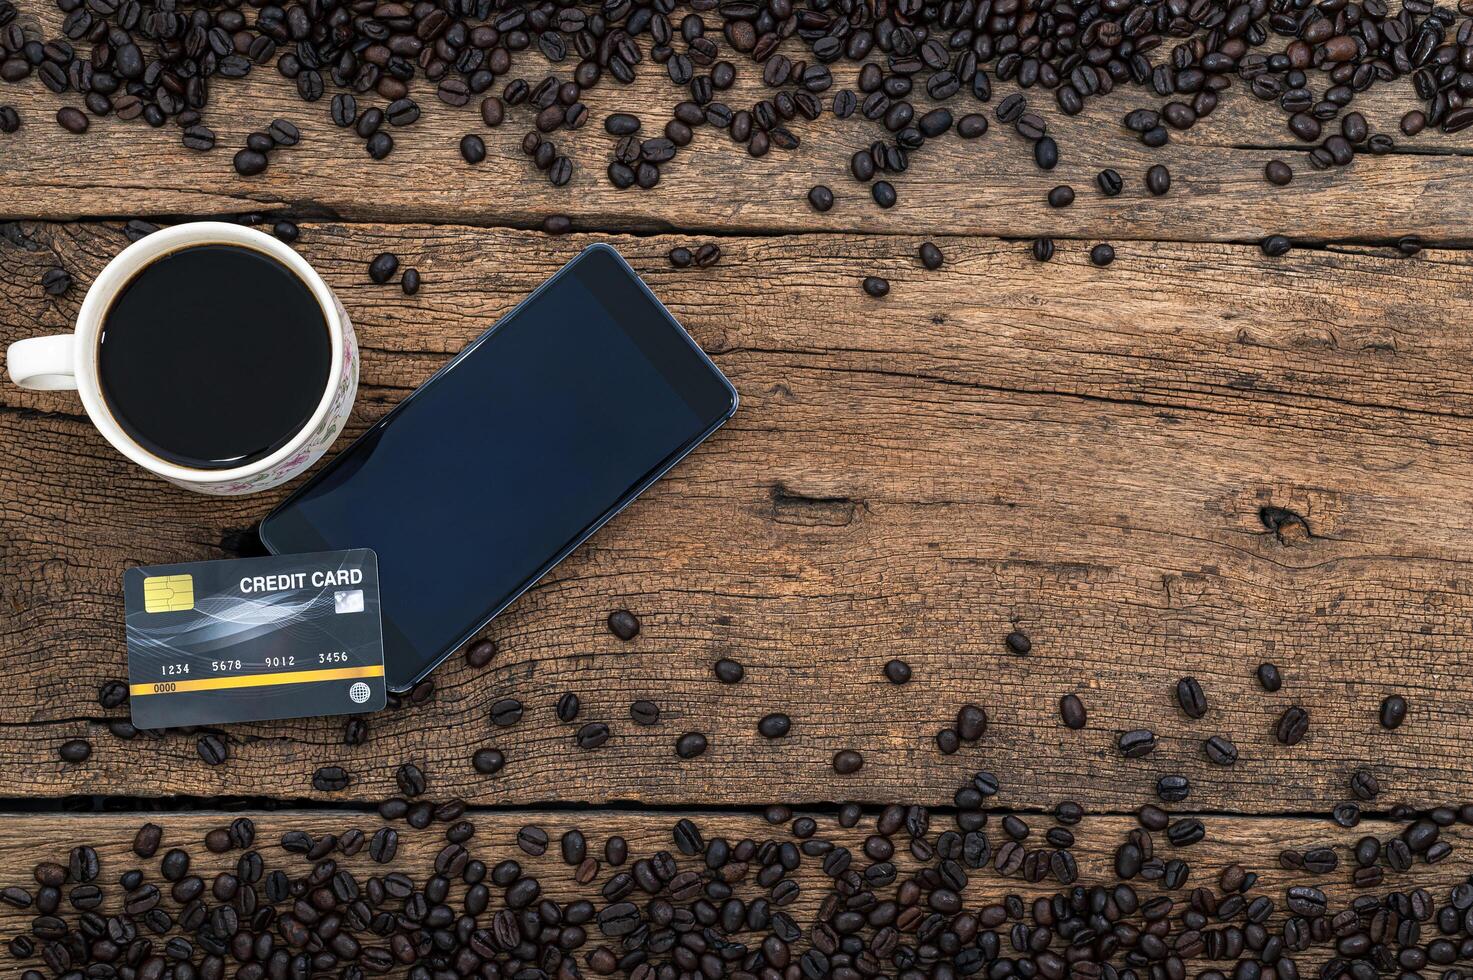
[
  {"x": 990, "y": 186},
  {"x": 1253, "y": 843},
  {"x": 1076, "y": 452}
]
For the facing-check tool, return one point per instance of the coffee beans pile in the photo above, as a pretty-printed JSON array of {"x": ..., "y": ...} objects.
[
  {"x": 713, "y": 907},
  {"x": 158, "y": 59}
]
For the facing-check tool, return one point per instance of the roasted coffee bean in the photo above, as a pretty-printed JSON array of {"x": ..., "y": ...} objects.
[
  {"x": 1220, "y": 751},
  {"x": 343, "y": 110},
  {"x": 1269, "y": 678},
  {"x": 72, "y": 120},
  {"x": 728, "y": 671},
  {"x": 931, "y": 256},
  {"x": 1393, "y": 711},
  {"x": 775, "y": 725},
  {"x": 820, "y": 198},
  {"x": 876, "y": 286},
  {"x": 1278, "y": 172},
  {"x": 847, "y": 762},
  {"x": 567, "y": 707},
  {"x": 1173, "y": 788},
  {"x": 9, "y": 119},
  {"x": 971, "y": 722},
  {"x": 75, "y": 750},
  {"x": 1017, "y": 642},
  {"x": 623, "y": 624},
  {"x": 330, "y": 779},
  {"x": 480, "y": 653},
  {"x": 1043, "y": 249},
  {"x": 472, "y": 148},
  {"x": 897, "y": 672},
  {"x": 1138, "y": 743},
  {"x": 1109, "y": 182},
  {"x": 506, "y": 712},
  {"x": 1158, "y": 180},
  {"x": 1061, "y": 196},
  {"x": 591, "y": 735},
  {"x": 1364, "y": 784},
  {"x": 383, "y": 267},
  {"x": 249, "y": 163},
  {"x": 1275, "y": 246},
  {"x": 213, "y": 749},
  {"x": 884, "y": 193},
  {"x": 1292, "y": 725},
  {"x": 410, "y": 779},
  {"x": 488, "y": 762},
  {"x": 1190, "y": 697},
  {"x": 410, "y": 281},
  {"x": 1071, "y": 708},
  {"x": 707, "y": 255},
  {"x": 56, "y": 282},
  {"x": 690, "y": 745},
  {"x": 146, "y": 841},
  {"x": 644, "y": 713}
]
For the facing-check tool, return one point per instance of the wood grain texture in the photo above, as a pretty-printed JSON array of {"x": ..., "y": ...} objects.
[
  {"x": 990, "y": 186},
  {"x": 1254, "y": 843},
  {"x": 1076, "y": 452}
]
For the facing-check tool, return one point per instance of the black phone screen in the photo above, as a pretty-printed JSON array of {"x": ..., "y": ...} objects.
[{"x": 505, "y": 461}]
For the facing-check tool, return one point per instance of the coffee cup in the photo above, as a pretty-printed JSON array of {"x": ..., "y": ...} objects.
[{"x": 210, "y": 354}]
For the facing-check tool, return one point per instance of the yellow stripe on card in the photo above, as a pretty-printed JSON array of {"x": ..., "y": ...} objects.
[
  {"x": 255, "y": 680},
  {"x": 168, "y": 593}
]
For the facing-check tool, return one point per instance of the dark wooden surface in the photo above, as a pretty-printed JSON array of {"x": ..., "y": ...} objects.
[{"x": 1084, "y": 454}]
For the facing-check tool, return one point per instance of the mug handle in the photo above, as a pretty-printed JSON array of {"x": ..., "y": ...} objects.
[{"x": 43, "y": 363}]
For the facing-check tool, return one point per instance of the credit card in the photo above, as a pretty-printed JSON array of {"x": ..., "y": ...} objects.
[{"x": 253, "y": 639}]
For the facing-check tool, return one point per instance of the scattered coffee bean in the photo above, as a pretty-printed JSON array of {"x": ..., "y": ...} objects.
[
  {"x": 1071, "y": 709},
  {"x": 1190, "y": 697},
  {"x": 383, "y": 267},
  {"x": 897, "y": 671},
  {"x": 1269, "y": 677},
  {"x": 213, "y": 749},
  {"x": 775, "y": 725},
  {"x": 1393, "y": 711},
  {"x": 876, "y": 286},
  {"x": 488, "y": 762},
  {"x": 847, "y": 762},
  {"x": 728, "y": 671},
  {"x": 479, "y": 653},
  {"x": 1276, "y": 245},
  {"x": 56, "y": 282},
  {"x": 1158, "y": 180},
  {"x": 623, "y": 624},
  {"x": 410, "y": 281},
  {"x": 1018, "y": 643},
  {"x": 330, "y": 779},
  {"x": 472, "y": 148},
  {"x": 75, "y": 750},
  {"x": 1102, "y": 254},
  {"x": 1292, "y": 725},
  {"x": 820, "y": 198},
  {"x": 690, "y": 745},
  {"x": 1043, "y": 249},
  {"x": 931, "y": 256},
  {"x": 644, "y": 713},
  {"x": 1278, "y": 173},
  {"x": 591, "y": 735}
]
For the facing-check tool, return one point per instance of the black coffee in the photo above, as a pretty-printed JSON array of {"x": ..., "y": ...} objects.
[{"x": 214, "y": 356}]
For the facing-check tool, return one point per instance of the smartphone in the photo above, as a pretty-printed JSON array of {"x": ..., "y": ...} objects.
[{"x": 511, "y": 456}]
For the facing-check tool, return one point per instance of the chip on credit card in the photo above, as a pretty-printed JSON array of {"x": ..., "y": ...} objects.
[{"x": 252, "y": 639}]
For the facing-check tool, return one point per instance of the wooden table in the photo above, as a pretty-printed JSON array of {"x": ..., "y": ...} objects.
[{"x": 1189, "y": 462}]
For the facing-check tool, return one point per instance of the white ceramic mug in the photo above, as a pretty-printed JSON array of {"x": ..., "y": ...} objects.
[{"x": 66, "y": 361}]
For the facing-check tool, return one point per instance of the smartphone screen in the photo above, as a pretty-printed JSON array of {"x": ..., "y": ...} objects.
[{"x": 511, "y": 456}]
